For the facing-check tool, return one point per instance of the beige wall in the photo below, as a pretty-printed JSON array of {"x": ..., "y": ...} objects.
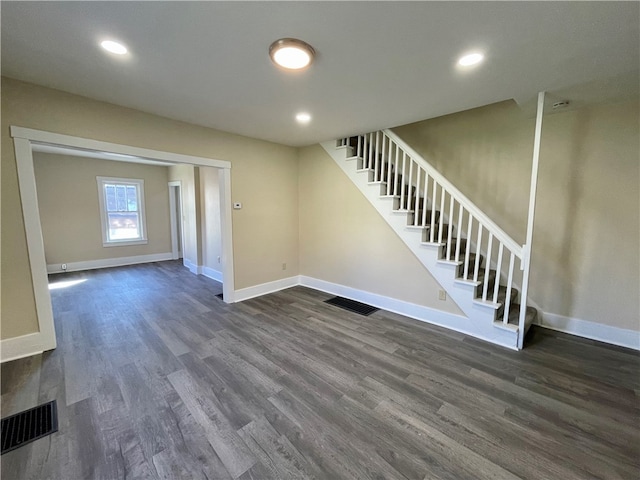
[
  {"x": 586, "y": 243},
  {"x": 70, "y": 210},
  {"x": 263, "y": 177},
  {"x": 344, "y": 240}
]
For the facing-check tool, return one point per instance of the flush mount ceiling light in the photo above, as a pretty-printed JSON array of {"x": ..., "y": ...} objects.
[
  {"x": 114, "y": 47},
  {"x": 470, "y": 59},
  {"x": 291, "y": 53},
  {"x": 303, "y": 117}
]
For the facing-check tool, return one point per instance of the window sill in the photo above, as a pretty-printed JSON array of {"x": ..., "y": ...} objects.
[{"x": 124, "y": 243}]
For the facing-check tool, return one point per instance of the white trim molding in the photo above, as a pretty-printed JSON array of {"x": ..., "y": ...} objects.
[
  {"x": 265, "y": 288},
  {"x": 591, "y": 330},
  {"x": 193, "y": 268},
  {"x": 226, "y": 240},
  {"x": 109, "y": 262},
  {"x": 169, "y": 158},
  {"x": 176, "y": 223},
  {"x": 35, "y": 244},
  {"x": 212, "y": 274},
  {"x": 23, "y": 346},
  {"x": 202, "y": 270}
]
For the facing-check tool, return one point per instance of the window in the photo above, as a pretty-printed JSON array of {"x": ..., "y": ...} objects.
[{"x": 122, "y": 211}]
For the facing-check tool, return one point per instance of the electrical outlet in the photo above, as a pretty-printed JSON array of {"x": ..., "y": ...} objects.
[
  {"x": 64, "y": 267},
  {"x": 284, "y": 266},
  {"x": 442, "y": 295}
]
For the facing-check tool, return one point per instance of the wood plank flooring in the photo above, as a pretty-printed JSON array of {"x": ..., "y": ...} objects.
[{"x": 156, "y": 378}]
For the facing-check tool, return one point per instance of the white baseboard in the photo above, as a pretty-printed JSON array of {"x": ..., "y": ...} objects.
[
  {"x": 265, "y": 288},
  {"x": 193, "y": 268},
  {"x": 202, "y": 270},
  {"x": 109, "y": 262},
  {"x": 417, "y": 312},
  {"x": 212, "y": 274},
  {"x": 23, "y": 346},
  {"x": 594, "y": 331}
]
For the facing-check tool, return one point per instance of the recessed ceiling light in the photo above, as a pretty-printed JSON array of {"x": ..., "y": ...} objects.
[
  {"x": 114, "y": 47},
  {"x": 470, "y": 59},
  {"x": 291, "y": 53},
  {"x": 303, "y": 117}
]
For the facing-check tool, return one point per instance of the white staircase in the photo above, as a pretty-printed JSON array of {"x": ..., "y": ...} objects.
[{"x": 460, "y": 246}]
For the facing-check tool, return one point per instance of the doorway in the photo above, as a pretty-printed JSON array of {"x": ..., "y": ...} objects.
[
  {"x": 176, "y": 219},
  {"x": 24, "y": 140}
]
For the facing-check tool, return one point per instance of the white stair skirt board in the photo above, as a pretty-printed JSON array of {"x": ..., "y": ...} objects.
[
  {"x": 265, "y": 288},
  {"x": 109, "y": 262},
  {"x": 594, "y": 331},
  {"x": 459, "y": 323},
  {"x": 23, "y": 346}
]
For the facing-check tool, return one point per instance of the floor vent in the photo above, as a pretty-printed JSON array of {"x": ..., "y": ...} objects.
[
  {"x": 352, "y": 305},
  {"x": 220, "y": 296},
  {"x": 30, "y": 425}
]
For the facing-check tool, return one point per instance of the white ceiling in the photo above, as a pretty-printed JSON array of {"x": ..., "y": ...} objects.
[{"x": 379, "y": 64}]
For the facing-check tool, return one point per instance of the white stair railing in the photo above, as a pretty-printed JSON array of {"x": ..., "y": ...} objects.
[{"x": 419, "y": 188}]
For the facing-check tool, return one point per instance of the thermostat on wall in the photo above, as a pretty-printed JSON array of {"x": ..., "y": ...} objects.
[{"x": 237, "y": 206}]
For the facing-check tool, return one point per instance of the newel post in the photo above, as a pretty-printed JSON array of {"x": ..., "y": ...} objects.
[{"x": 526, "y": 248}]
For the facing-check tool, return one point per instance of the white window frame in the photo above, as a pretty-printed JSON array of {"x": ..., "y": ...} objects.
[{"x": 104, "y": 218}]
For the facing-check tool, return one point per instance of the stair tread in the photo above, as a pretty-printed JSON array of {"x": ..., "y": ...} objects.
[
  {"x": 444, "y": 261},
  {"x": 431, "y": 244},
  {"x": 461, "y": 259}
]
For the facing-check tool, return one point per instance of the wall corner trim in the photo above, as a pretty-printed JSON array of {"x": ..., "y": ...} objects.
[{"x": 591, "y": 330}]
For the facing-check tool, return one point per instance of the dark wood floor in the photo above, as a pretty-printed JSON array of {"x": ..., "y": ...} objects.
[{"x": 155, "y": 378}]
